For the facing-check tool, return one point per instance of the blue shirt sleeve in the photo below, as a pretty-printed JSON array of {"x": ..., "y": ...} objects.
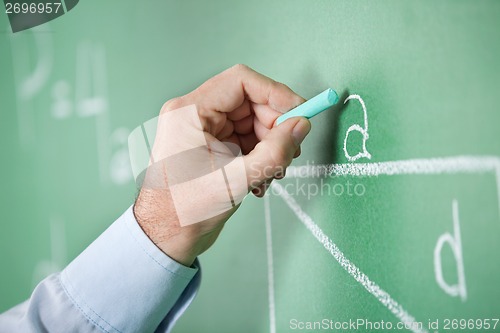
[{"x": 121, "y": 283}]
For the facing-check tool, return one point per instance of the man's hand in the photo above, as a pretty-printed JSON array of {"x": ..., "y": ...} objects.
[{"x": 238, "y": 106}]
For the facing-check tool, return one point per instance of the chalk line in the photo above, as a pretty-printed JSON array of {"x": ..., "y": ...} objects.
[
  {"x": 270, "y": 266},
  {"x": 454, "y": 240},
  {"x": 429, "y": 166},
  {"x": 456, "y": 164},
  {"x": 362, "y": 130},
  {"x": 381, "y": 295},
  {"x": 498, "y": 185}
]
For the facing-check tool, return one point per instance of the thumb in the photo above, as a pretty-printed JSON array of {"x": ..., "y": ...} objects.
[{"x": 275, "y": 152}]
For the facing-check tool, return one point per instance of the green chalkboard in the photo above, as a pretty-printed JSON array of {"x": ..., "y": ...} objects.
[{"x": 392, "y": 212}]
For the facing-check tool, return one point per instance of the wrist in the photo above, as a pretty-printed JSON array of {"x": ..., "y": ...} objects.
[{"x": 155, "y": 214}]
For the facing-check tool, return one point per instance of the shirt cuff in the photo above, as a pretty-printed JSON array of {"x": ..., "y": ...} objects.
[{"x": 123, "y": 283}]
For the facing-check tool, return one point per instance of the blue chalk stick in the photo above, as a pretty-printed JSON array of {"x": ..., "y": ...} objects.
[{"x": 312, "y": 107}]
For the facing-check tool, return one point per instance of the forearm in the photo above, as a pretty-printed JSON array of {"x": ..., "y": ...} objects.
[{"x": 121, "y": 283}]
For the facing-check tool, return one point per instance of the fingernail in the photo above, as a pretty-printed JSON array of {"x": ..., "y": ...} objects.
[{"x": 300, "y": 130}]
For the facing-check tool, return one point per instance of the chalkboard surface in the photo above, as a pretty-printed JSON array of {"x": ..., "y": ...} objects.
[{"x": 392, "y": 213}]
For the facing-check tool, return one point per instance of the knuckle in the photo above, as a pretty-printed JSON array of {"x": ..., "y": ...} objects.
[
  {"x": 240, "y": 68},
  {"x": 218, "y": 121},
  {"x": 280, "y": 85},
  {"x": 171, "y": 104}
]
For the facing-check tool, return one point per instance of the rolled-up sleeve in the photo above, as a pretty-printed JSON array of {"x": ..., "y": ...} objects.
[{"x": 121, "y": 283}]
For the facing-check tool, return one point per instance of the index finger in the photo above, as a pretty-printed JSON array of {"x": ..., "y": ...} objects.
[{"x": 227, "y": 91}]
